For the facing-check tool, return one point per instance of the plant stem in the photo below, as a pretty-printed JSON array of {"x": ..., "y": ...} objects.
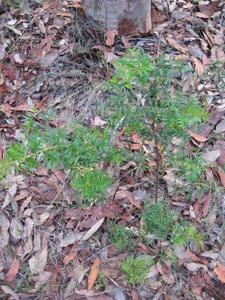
[{"x": 157, "y": 162}]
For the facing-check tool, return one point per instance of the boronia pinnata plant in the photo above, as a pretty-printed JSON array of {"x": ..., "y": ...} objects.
[
  {"x": 144, "y": 96},
  {"x": 76, "y": 148}
]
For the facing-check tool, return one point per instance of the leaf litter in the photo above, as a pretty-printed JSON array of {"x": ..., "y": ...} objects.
[{"x": 36, "y": 50}]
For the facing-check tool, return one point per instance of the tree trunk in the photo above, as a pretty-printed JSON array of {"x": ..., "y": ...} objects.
[{"x": 129, "y": 17}]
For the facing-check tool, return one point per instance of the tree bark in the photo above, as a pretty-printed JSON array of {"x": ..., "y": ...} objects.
[{"x": 128, "y": 17}]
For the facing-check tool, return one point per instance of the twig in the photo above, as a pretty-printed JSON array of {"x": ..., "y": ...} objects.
[
  {"x": 157, "y": 162},
  {"x": 29, "y": 17},
  {"x": 159, "y": 42}
]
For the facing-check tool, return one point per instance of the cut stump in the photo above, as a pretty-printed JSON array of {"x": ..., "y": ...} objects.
[{"x": 128, "y": 17}]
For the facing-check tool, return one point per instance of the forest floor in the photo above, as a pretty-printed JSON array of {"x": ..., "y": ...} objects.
[{"x": 54, "y": 244}]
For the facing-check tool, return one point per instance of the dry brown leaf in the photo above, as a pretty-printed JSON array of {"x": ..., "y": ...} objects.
[
  {"x": 110, "y": 37},
  {"x": 125, "y": 42},
  {"x": 199, "y": 67},
  {"x": 108, "y": 53},
  {"x": 2, "y": 79},
  {"x": 10, "y": 195},
  {"x": 199, "y": 138},
  {"x": 67, "y": 259},
  {"x": 93, "y": 229},
  {"x": 8, "y": 291},
  {"x": 3, "y": 51},
  {"x": 193, "y": 257},
  {"x": 93, "y": 273},
  {"x": 38, "y": 262},
  {"x": 206, "y": 204},
  {"x": 41, "y": 279},
  {"x": 222, "y": 175},
  {"x": 42, "y": 27},
  {"x": 10, "y": 275},
  {"x": 173, "y": 43},
  {"x": 1, "y": 152},
  {"x": 74, "y": 3},
  {"x": 201, "y": 15},
  {"x": 211, "y": 156},
  {"x": 209, "y": 9},
  {"x": 196, "y": 207},
  {"x": 65, "y": 14},
  {"x": 89, "y": 295},
  {"x": 77, "y": 275},
  {"x": 56, "y": 274},
  {"x": 134, "y": 295},
  {"x": 205, "y": 61},
  {"x": 16, "y": 229},
  {"x": 18, "y": 59},
  {"x": 135, "y": 138},
  {"x": 3, "y": 89},
  {"x": 48, "y": 59},
  {"x": 7, "y": 109},
  {"x": 195, "y": 267},
  {"x": 135, "y": 147},
  {"x": 4, "y": 227},
  {"x": 157, "y": 16},
  {"x": 220, "y": 272},
  {"x": 132, "y": 200},
  {"x": 98, "y": 122},
  {"x": 70, "y": 288},
  {"x": 220, "y": 55}
]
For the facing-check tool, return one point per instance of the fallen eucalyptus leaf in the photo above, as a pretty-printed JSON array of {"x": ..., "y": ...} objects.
[
  {"x": 93, "y": 229},
  {"x": 38, "y": 262},
  {"x": 194, "y": 267},
  {"x": 8, "y": 291},
  {"x": 211, "y": 156},
  {"x": 4, "y": 227}
]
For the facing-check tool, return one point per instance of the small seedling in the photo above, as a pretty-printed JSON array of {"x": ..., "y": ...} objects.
[
  {"x": 101, "y": 282},
  {"x": 120, "y": 236},
  {"x": 158, "y": 220},
  {"x": 178, "y": 236},
  {"x": 136, "y": 269},
  {"x": 193, "y": 235},
  {"x": 216, "y": 73}
]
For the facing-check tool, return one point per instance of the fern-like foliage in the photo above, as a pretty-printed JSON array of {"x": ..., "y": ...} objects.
[
  {"x": 141, "y": 92},
  {"x": 159, "y": 221},
  {"x": 143, "y": 96},
  {"x": 120, "y": 236},
  {"x": 136, "y": 269},
  {"x": 78, "y": 149}
]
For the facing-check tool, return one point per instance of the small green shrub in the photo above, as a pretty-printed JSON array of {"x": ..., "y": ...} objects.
[
  {"x": 91, "y": 183},
  {"x": 101, "y": 282},
  {"x": 137, "y": 269},
  {"x": 216, "y": 74},
  {"x": 77, "y": 149},
  {"x": 141, "y": 97},
  {"x": 158, "y": 220},
  {"x": 189, "y": 167},
  {"x": 177, "y": 235},
  {"x": 120, "y": 236},
  {"x": 193, "y": 235}
]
